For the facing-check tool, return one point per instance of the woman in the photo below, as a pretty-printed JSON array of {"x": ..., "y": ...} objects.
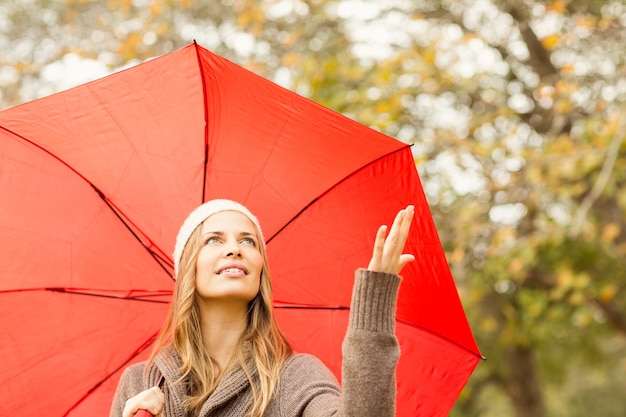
[{"x": 221, "y": 353}]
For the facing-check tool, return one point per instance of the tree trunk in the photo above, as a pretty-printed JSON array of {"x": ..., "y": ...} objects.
[{"x": 523, "y": 386}]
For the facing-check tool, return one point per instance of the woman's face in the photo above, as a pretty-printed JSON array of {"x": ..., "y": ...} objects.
[{"x": 229, "y": 263}]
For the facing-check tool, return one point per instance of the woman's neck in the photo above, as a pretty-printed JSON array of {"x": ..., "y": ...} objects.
[{"x": 222, "y": 327}]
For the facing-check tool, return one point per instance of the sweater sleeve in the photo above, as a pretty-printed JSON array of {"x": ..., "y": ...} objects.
[
  {"x": 370, "y": 348},
  {"x": 370, "y": 355}
]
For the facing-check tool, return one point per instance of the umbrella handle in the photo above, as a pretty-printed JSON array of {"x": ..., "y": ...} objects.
[{"x": 146, "y": 413}]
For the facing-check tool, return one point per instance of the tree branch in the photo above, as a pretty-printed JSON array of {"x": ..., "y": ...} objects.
[
  {"x": 605, "y": 174},
  {"x": 539, "y": 57}
]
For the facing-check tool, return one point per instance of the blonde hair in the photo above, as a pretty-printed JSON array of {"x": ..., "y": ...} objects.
[{"x": 261, "y": 351}]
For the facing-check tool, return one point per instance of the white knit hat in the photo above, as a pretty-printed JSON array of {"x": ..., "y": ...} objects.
[{"x": 200, "y": 214}]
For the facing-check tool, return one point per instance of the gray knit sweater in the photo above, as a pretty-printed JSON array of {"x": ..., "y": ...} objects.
[{"x": 307, "y": 387}]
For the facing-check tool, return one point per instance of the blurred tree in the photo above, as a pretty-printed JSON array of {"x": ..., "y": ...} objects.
[
  {"x": 528, "y": 190},
  {"x": 517, "y": 115}
]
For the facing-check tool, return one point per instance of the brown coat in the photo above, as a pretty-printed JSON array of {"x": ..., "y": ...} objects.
[{"x": 307, "y": 388}]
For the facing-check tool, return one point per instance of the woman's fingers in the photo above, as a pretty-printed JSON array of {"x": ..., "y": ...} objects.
[
  {"x": 402, "y": 231},
  {"x": 151, "y": 400},
  {"x": 379, "y": 247},
  {"x": 405, "y": 259},
  {"x": 387, "y": 255}
]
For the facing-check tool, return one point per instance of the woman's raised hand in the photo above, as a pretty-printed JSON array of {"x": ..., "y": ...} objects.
[{"x": 387, "y": 256}]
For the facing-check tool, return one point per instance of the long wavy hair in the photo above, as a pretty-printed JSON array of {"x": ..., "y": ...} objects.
[{"x": 261, "y": 351}]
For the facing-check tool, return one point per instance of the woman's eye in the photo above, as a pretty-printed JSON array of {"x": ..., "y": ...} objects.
[
  {"x": 212, "y": 240},
  {"x": 248, "y": 241}
]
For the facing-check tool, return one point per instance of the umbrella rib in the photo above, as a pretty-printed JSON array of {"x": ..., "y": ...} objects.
[
  {"x": 94, "y": 293},
  {"x": 417, "y": 326},
  {"x": 405, "y": 322},
  {"x": 158, "y": 257},
  {"x": 206, "y": 121},
  {"x": 329, "y": 189},
  {"x": 161, "y": 259},
  {"x": 137, "y": 351},
  {"x": 309, "y": 307}
]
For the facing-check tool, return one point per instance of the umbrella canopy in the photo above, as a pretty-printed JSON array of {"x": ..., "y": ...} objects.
[{"x": 95, "y": 182}]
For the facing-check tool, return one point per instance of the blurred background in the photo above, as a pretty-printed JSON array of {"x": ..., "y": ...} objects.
[{"x": 517, "y": 116}]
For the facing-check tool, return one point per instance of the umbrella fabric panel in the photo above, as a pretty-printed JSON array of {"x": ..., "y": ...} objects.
[
  {"x": 66, "y": 344},
  {"x": 313, "y": 263},
  {"x": 274, "y": 150},
  {"x": 136, "y": 135},
  {"x": 431, "y": 371},
  {"x": 98, "y": 401},
  {"x": 58, "y": 232}
]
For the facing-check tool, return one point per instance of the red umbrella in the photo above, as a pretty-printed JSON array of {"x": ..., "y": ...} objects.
[{"x": 96, "y": 180}]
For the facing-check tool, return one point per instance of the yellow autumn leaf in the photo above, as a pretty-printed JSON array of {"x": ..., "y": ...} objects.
[
  {"x": 576, "y": 298},
  {"x": 515, "y": 266},
  {"x": 290, "y": 59},
  {"x": 568, "y": 168},
  {"x": 582, "y": 281},
  {"x": 563, "y": 106},
  {"x": 551, "y": 42},
  {"x": 534, "y": 174},
  {"x": 156, "y": 8},
  {"x": 562, "y": 87},
  {"x": 607, "y": 292},
  {"x": 457, "y": 256},
  {"x": 610, "y": 232},
  {"x": 613, "y": 124},
  {"x": 557, "y": 6},
  {"x": 565, "y": 278},
  {"x": 128, "y": 48},
  {"x": 420, "y": 159},
  {"x": 119, "y": 5},
  {"x": 383, "y": 107},
  {"x": 578, "y": 189},
  {"x": 562, "y": 144},
  {"x": 544, "y": 91},
  {"x": 605, "y": 23},
  {"x": 502, "y": 235},
  {"x": 588, "y": 22},
  {"x": 20, "y": 66},
  {"x": 429, "y": 56}
]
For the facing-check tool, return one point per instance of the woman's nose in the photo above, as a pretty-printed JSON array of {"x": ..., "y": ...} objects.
[{"x": 233, "y": 249}]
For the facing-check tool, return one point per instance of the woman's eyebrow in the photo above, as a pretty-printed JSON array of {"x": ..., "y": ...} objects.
[
  {"x": 220, "y": 233},
  {"x": 217, "y": 232},
  {"x": 251, "y": 235}
]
